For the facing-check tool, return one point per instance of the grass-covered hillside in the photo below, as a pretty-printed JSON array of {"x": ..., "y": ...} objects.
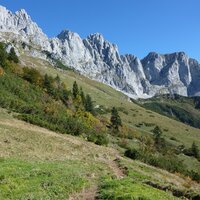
[
  {"x": 40, "y": 164},
  {"x": 184, "y": 109},
  {"x": 133, "y": 115},
  {"x": 90, "y": 140}
]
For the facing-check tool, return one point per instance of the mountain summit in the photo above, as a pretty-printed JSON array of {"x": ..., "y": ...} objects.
[{"x": 99, "y": 59}]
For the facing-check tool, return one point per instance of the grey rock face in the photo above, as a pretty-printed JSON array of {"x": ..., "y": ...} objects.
[
  {"x": 20, "y": 23},
  {"x": 172, "y": 71},
  {"x": 98, "y": 59}
]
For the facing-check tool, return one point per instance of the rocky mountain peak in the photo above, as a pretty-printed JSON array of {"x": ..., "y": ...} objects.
[
  {"x": 106, "y": 50},
  {"x": 152, "y": 56},
  {"x": 99, "y": 41},
  {"x": 99, "y": 59},
  {"x": 66, "y": 35},
  {"x": 3, "y": 9},
  {"x": 22, "y": 14},
  {"x": 20, "y": 23},
  {"x": 14, "y": 21},
  {"x": 96, "y": 36},
  {"x": 179, "y": 56}
]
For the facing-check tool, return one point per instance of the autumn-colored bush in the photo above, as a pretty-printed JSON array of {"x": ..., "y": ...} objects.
[
  {"x": 32, "y": 75},
  {"x": 89, "y": 120},
  {"x": 1, "y": 71}
]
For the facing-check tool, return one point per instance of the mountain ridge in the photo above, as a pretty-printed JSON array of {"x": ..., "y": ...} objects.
[{"x": 98, "y": 59}]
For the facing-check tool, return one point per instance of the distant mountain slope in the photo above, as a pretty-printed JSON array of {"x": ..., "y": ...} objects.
[
  {"x": 98, "y": 59},
  {"x": 184, "y": 109}
]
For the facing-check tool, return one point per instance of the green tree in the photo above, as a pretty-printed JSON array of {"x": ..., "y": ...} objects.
[
  {"x": 75, "y": 90},
  {"x": 82, "y": 96},
  {"x": 64, "y": 96},
  {"x": 195, "y": 150},
  {"x": 58, "y": 81},
  {"x": 89, "y": 107},
  {"x": 159, "y": 141},
  {"x": 48, "y": 84},
  {"x": 57, "y": 87},
  {"x": 115, "y": 119},
  {"x": 157, "y": 132},
  {"x": 12, "y": 56}
]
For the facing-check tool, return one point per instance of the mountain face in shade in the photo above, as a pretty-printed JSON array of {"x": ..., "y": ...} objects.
[{"x": 100, "y": 60}]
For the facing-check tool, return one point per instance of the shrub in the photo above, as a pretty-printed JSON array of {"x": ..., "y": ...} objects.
[
  {"x": 99, "y": 139},
  {"x": 102, "y": 139},
  {"x": 170, "y": 163},
  {"x": 32, "y": 76},
  {"x": 193, "y": 151},
  {"x": 12, "y": 56},
  {"x": 173, "y": 138},
  {"x": 194, "y": 175},
  {"x": 1, "y": 71},
  {"x": 89, "y": 120},
  {"x": 3, "y": 55},
  {"x": 132, "y": 153}
]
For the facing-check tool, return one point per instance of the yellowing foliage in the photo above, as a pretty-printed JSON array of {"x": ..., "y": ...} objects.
[
  {"x": 52, "y": 108},
  {"x": 78, "y": 100},
  {"x": 16, "y": 69},
  {"x": 89, "y": 120},
  {"x": 1, "y": 71}
]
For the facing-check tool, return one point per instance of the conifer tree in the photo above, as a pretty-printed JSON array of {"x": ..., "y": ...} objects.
[
  {"x": 48, "y": 84},
  {"x": 157, "y": 132},
  {"x": 82, "y": 96},
  {"x": 89, "y": 107},
  {"x": 115, "y": 119},
  {"x": 58, "y": 81},
  {"x": 75, "y": 90},
  {"x": 195, "y": 150}
]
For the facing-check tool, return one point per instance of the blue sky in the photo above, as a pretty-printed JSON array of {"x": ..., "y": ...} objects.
[{"x": 136, "y": 26}]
